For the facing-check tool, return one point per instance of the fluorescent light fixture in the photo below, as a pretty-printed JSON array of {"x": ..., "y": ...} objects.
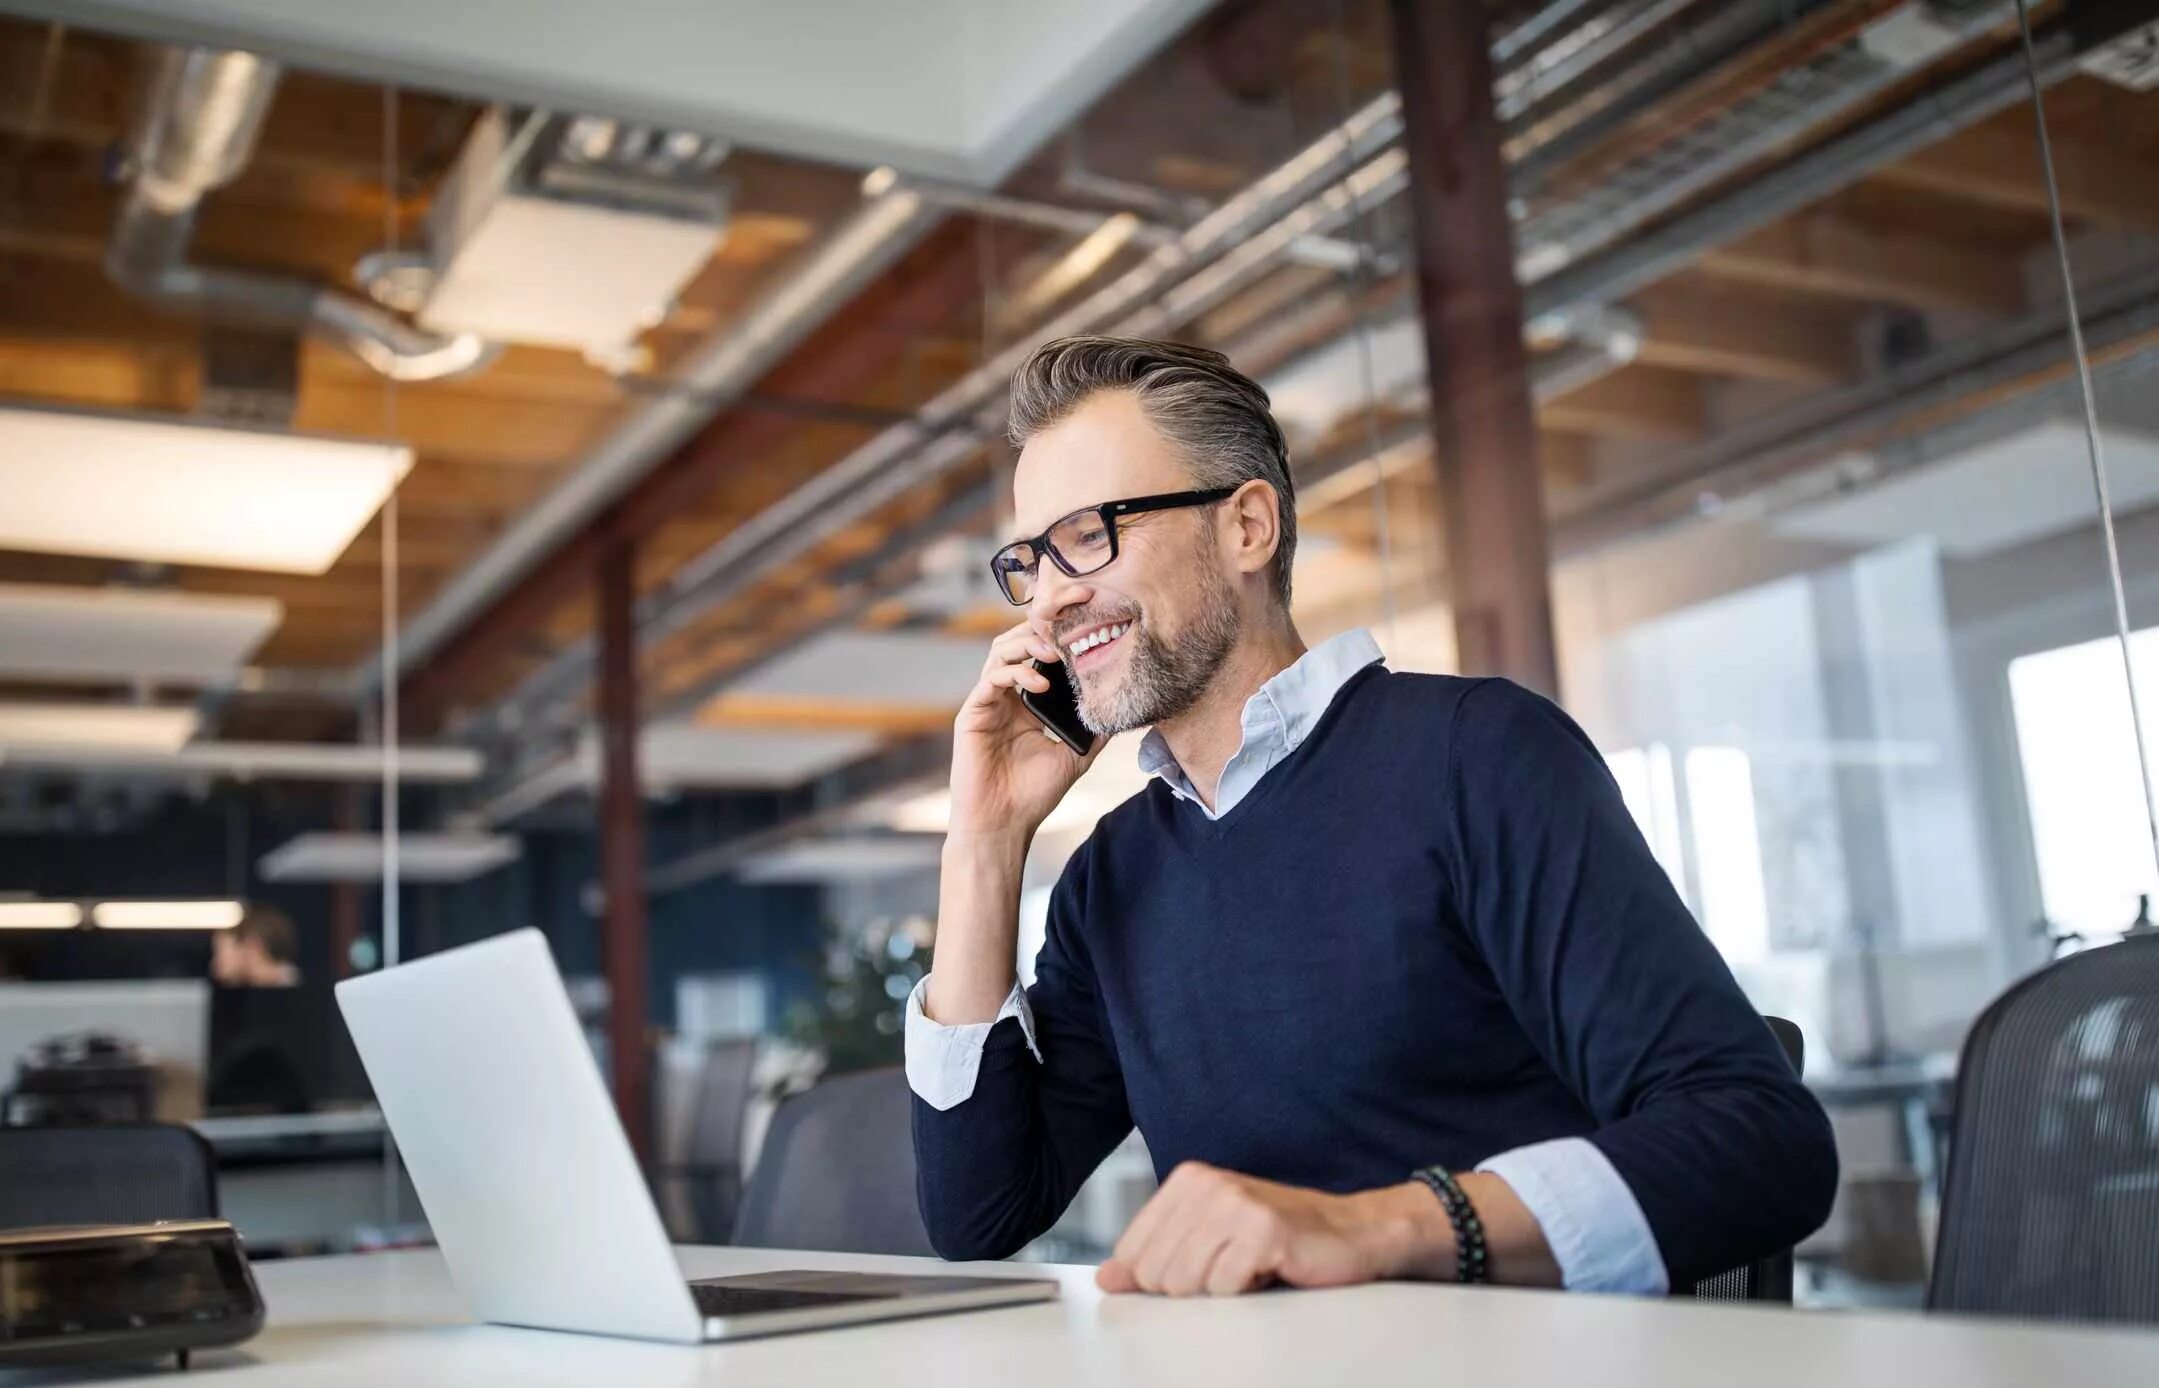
[
  {"x": 166, "y": 915},
  {"x": 116, "y": 727},
  {"x": 267, "y": 761},
  {"x": 180, "y": 492},
  {"x": 56, "y": 632},
  {"x": 39, "y": 915},
  {"x": 445, "y": 857}
]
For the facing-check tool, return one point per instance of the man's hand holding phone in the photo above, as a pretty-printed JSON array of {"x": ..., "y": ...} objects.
[
  {"x": 1008, "y": 773},
  {"x": 1008, "y": 770}
]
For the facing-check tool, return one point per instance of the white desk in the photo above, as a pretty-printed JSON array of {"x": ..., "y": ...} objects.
[{"x": 392, "y": 1319}]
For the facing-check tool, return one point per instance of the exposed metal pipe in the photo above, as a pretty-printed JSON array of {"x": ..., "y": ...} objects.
[
  {"x": 205, "y": 114},
  {"x": 1324, "y": 251},
  {"x": 1797, "y": 104},
  {"x": 1564, "y": 123},
  {"x": 1580, "y": 53},
  {"x": 1923, "y": 120},
  {"x": 1740, "y": 468},
  {"x": 1601, "y": 342}
]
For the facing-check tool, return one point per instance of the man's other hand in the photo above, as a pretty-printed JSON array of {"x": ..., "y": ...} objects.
[{"x": 1215, "y": 1232}]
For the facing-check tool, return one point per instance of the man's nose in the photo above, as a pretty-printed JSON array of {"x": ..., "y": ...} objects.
[{"x": 1056, "y": 593}]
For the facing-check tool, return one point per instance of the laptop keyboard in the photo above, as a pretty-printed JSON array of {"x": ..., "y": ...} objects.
[{"x": 718, "y": 1299}]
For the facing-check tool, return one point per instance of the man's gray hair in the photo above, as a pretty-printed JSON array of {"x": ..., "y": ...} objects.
[{"x": 1216, "y": 415}]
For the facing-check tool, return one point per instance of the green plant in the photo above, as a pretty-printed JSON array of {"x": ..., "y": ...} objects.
[{"x": 868, "y": 972}]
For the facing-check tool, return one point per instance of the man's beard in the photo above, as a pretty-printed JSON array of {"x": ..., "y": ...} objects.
[{"x": 1162, "y": 680}]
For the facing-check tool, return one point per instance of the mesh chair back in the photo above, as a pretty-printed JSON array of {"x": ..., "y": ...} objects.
[
  {"x": 713, "y": 1162},
  {"x": 1769, "y": 1279},
  {"x": 838, "y": 1171},
  {"x": 110, "y": 1173},
  {"x": 2050, "y": 1205}
]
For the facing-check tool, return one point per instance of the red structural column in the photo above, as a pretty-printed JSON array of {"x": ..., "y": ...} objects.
[
  {"x": 1484, "y": 425},
  {"x": 622, "y": 842}
]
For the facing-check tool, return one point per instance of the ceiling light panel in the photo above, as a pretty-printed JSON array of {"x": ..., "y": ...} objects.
[
  {"x": 166, "y": 915},
  {"x": 177, "y": 492},
  {"x": 48, "y": 631},
  {"x": 39, "y": 915},
  {"x": 111, "y": 726}
]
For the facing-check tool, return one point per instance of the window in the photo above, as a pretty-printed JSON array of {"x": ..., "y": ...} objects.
[
  {"x": 1728, "y": 852},
  {"x": 1645, "y": 783},
  {"x": 2090, "y": 836}
]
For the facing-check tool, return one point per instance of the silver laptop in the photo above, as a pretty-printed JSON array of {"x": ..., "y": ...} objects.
[{"x": 532, "y": 1190}]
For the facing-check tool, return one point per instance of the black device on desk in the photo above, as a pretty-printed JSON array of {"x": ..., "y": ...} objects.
[
  {"x": 109, "y": 1292},
  {"x": 82, "y": 1077},
  {"x": 280, "y": 1050}
]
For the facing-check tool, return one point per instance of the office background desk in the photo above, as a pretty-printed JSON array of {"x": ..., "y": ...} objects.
[{"x": 392, "y": 1318}]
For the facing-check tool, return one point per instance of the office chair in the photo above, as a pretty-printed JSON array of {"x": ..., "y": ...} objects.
[
  {"x": 710, "y": 1172},
  {"x": 109, "y": 1173},
  {"x": 838, "y": 1171},
  {"x": 2050, "y": 1204},
  {"x": 1765, "y": 1279}
]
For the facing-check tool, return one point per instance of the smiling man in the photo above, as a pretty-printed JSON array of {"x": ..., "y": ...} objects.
[{"x": 1378, "y": 964}]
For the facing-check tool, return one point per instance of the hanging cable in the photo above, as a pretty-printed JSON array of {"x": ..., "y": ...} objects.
[
  {"x": 392, "y": 1178},
  {"x": 2091, "y": 424},
  {"x": 391, "y": 922},
  {"x": 1362, "y": 277}
]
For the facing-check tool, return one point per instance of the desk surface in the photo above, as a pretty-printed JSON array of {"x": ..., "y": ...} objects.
[{"x": 393, "y": 1319}]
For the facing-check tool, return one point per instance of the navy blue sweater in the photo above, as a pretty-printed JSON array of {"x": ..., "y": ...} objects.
[{"x": 1431, "y": 934}]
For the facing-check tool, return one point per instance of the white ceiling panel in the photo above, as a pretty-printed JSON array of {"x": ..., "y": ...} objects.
[
  {"x": 360, "y": 857},
  {"x": 887, "y": 667},
  {"x": 954, "y": 88},
  {"x": 690, "y": 756},
  {"x": 48, "y": 631},
  {"x": 177, "y": 492}
]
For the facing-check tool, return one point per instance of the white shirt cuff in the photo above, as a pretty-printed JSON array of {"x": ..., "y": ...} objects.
[
  {"x": 942, "y": 1061},
  {"x": 1595, "y": 1226}
]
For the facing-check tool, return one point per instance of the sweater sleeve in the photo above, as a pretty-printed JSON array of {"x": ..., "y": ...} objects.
[
  {"x": 998, "y": 1168},
  {"x": 1729, "y": 1156}
]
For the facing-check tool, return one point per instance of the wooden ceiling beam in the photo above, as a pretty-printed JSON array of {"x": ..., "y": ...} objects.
[
  {"x": 793, "y": 713},
  {"x": 1832, "y": 257},
  {"x": 98, "y": 376},
  {"x": 1728, "y": 332},
  {"x": 1993, "y": 166},
  {"x": 492, "y": 429},
  {"x": 1643, "y": 403},
  {"x": 1570, "y": 462}
]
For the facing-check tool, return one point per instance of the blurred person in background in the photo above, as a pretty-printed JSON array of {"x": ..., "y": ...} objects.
[
  {"x": 1379, "y": 965},
  {"x": 260, "y": 952}
]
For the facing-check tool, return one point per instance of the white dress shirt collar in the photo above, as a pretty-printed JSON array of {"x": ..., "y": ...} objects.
[{"x": 1276, "y": 720}]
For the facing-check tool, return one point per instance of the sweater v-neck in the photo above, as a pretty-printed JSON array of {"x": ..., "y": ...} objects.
[{"x": 1214, "y": 827}]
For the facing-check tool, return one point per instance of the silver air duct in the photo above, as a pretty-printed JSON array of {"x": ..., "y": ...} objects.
[{"x": 206, "y": 110}]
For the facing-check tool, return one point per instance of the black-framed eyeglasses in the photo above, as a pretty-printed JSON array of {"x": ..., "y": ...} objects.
[{"x": 1083, "y": 542}]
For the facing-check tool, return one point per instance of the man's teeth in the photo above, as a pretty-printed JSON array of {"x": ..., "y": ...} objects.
[{"x": 1096, "y": 638}]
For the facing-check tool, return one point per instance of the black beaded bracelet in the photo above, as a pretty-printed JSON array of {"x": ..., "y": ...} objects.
[{"x": 1470, "y": 1263}]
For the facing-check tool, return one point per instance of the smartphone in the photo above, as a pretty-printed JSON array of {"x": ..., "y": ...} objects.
[{"x": 1058, "y": 710}]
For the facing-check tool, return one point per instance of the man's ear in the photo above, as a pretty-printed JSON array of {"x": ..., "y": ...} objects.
[{"x": 1256, "y": 526}]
